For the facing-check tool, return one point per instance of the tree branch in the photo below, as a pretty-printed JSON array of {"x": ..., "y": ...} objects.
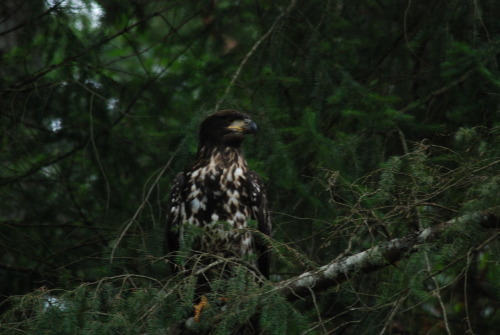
[
  {"x": 252, "y": 51},
  {"x": 34, "y": 77},
  {"x": 375, "y": 258}
]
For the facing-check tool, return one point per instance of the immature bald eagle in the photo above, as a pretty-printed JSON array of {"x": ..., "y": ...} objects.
[{"x": 221, "y": 195}]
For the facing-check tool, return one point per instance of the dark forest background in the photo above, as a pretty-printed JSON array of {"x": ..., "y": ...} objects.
[{"x": 376, "y": 119}]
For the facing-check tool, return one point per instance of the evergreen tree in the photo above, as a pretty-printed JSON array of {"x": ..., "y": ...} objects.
[{"x": 378, "y": 143}]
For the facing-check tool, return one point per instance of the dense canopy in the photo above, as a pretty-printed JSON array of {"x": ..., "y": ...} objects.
[{"x": 378, "y": 145}]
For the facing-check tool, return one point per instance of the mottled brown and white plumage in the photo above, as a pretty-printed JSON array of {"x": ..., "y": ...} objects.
[{"x": 221, "y": 195}]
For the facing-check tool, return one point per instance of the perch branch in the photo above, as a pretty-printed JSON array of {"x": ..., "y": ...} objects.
[{"x": 373, "y": 259}]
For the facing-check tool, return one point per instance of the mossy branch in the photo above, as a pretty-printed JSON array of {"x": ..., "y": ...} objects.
[{"x": 375, "y": 258}]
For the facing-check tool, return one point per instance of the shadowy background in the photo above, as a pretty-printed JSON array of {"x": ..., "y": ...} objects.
[{"x": 376, "y": 118}]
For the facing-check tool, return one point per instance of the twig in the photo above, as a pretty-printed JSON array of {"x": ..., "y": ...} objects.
[
  {"x": 145, "y": 200},
  {"x": 252, "y": 51},
  {"x": 438, "y": 294},
  {"x": 34, "y": 169},
  {"x": 395, "y": 308},
  {"x": 320, "y": 320},
  {"x": 466, "y": 302},
  {"x": 436, "y": 92}
]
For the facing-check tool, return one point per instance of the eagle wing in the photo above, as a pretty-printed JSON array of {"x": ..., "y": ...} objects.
[
  {"x": 174, "y": 215},
  {"x": 260, "y": 213}
]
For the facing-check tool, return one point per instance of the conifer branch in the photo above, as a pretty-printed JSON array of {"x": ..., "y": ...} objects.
[
  {"x": 375, "y": 258},
  {"x": 68, "y": 60},
  {"x": 53, "y": 160},
  {"x": 252, "y": 51}
]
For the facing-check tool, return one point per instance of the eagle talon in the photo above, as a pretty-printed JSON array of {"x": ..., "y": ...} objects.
[{"x": 199, "y": 307}]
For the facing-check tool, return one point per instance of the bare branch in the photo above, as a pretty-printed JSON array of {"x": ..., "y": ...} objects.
[{"x": 252, "y": 51}]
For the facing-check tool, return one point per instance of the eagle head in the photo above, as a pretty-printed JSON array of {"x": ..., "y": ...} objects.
[{"x": 226, "y": 127}]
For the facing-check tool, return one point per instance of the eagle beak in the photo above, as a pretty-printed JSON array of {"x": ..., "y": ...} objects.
[{"x": 246, "y": 126}]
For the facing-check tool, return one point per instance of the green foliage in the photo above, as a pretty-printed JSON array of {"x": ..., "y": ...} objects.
[{"x": 375, "y": 120}]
